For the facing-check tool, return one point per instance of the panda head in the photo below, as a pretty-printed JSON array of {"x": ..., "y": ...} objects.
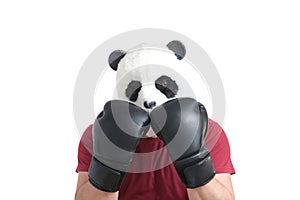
[{"x": 148, "y": 76}]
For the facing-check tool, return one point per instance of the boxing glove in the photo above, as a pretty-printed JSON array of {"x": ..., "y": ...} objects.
[
  {"x": 182, "y": 125},
  {"x": 116, "y": 133}
]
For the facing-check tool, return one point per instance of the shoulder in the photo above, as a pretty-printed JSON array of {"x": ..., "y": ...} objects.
[
  {"x": 86, "y": 138},
  {"x": 86, "y": 142},
  {"x": 214, "y": 134},
  {"x": 218, "y": 144},
  {"x": 85, "y": 150}
]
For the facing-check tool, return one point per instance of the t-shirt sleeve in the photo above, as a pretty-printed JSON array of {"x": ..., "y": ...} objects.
[
  {"x": 85, "y": 150},
  {"x": 219, "y": 149}
]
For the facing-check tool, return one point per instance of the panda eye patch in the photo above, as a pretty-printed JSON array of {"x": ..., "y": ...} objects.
[
  {"x": 167, "y": 86},
  {"x": 133, "y": 89}
]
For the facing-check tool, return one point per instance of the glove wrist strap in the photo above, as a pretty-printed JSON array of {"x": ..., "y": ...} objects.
[{"x": 103, "y": 177}]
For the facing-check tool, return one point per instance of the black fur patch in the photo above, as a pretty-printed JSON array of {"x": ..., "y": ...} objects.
[
  {"x": 167, "y": 86},
  {"x": 133, "y": 89}
]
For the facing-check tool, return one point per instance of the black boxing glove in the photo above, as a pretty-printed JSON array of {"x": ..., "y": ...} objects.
[
  {"x": 116, "y": 133},
  {"x": 182, "y": 124}
]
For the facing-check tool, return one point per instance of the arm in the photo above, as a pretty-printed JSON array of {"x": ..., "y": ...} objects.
[
  {"x": 194, "y": 167},
  {"x": 85, "y": 191},
  {"x": 113, "y": 150},
  {"x": 219, "y": 188}
]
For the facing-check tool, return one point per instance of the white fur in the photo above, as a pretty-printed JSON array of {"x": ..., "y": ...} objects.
[{"x": 146, "y": 64}]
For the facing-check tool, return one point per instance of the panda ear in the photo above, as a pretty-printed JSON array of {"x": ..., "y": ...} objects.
[
  {"x": 115, "y": 57},
  {"x": 178, "y": 48}
]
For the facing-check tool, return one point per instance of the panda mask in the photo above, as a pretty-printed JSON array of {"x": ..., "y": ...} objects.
[{"x": 149, "y": 76}]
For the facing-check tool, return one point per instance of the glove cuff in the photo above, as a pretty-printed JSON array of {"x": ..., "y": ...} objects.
[
  {"x": 104, "y": 178},
  {"x": 196, "y": 170},
  {"x": 200, "y": 173}
]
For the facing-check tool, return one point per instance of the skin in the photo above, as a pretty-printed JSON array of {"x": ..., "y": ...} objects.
[
  {"x": 219, "y": 188},
  {"x": 85, "y": 191}
]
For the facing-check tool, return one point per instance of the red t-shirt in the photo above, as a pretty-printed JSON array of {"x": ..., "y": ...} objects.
[{"x": 162, "y": 183}]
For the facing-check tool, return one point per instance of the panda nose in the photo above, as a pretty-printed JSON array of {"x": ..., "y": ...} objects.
[{"x": 149, "y": 104}]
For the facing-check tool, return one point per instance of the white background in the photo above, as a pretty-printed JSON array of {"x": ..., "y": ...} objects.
[{"x": 254, "y": 44}]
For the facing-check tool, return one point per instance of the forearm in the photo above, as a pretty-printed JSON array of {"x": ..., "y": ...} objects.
[
  {"x": 88, "y": 192},
  {"x": 214, "y": 190}
]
